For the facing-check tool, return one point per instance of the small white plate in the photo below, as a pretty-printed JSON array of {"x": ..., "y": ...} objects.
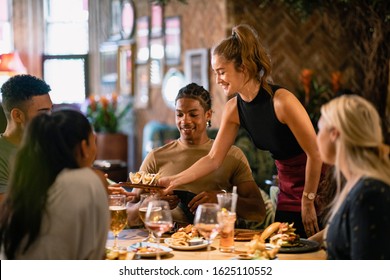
[
  {"x": 185, "y": 248},
  {"x": 133, "y": 248},
  {"x": 244, "y": 257}
]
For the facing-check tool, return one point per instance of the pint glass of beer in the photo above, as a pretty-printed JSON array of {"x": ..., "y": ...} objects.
[{"x": 117, "y": 206}]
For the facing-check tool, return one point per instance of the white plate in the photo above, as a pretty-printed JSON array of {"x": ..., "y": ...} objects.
[
  {"x": 244, "y": 257},
  {"x": 164, "y": 250},
  {"x": 185, "y": 248}
]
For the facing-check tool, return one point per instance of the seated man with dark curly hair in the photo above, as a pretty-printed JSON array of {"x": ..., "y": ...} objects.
[{"x": 23, "y": 97}]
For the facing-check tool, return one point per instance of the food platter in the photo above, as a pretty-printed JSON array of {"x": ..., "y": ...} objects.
[
  {"x": 168, "y": 241},
  {"x": 245, "y": 234},
  {"x": 140, "y": 186},
  {"x": 304, "y": 246},
  {"x": 148, "y": 254}
]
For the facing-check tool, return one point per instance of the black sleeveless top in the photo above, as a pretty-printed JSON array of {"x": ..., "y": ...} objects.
[{"x": 267, "y": 132}]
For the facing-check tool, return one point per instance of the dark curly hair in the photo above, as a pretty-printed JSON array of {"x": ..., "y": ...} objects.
[
  {"x": 196, "y": 92},
  {"x": 19, "y": 89}
]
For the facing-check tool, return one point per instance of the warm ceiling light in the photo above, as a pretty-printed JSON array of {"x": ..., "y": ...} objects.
[{"x": 11, "y": 64}]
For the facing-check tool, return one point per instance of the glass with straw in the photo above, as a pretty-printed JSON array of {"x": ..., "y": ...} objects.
[{"x": 226, "y": 219}]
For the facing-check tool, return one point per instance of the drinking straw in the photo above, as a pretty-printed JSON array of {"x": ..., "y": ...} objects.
[{"x": 234, "y": 199}]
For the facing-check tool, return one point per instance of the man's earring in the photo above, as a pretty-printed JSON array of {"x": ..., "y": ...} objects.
[{"x": 208, "y": 123}]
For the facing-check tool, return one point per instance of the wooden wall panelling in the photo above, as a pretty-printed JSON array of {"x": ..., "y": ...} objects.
[
  {"x": 28, "y": 33},
  {"x": 294, "y": 45}
]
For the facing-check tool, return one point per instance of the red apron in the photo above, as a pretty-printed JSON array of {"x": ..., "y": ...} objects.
[{"x": 291, "y": 173}]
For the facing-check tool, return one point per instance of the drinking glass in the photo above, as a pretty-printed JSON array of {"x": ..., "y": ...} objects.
[
  {"x": 117, "y": 206},
  {"x": 143, "y": 207},
  {"x": 226, "y": 221},
  {"x": 206, "y": 222},
  {"x": 226, "y": 218},
  {"x": 158, "y": 219}
]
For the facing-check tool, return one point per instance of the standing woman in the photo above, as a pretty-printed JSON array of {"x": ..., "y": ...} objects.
[
  {"x": 275, "y": 120},
  {"x": 350, "y": 138},
  {"x": 56, "y": 206}
]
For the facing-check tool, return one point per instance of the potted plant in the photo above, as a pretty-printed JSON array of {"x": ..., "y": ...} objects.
[{"x": 112, "y": 119}]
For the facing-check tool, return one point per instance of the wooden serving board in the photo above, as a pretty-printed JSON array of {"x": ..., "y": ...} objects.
[
  {"x": 140, "y": 186},
  {"x": 245, "y": 234}
]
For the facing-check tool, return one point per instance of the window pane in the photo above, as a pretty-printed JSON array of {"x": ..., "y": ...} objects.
[
  {"x": 66, "y": 27},
  {"x": 6, "y": 43},
  {"x": 5, "y": 37},
  {"x": 66, "y": 79},
  {"x": 4, "y": 16},
  {"x": 69, "y": 10},
  {"x": 67, "y": 38}
]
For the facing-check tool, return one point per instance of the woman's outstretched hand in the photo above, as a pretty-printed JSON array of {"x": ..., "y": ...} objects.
[
  {"x": 114, "y": 188},
  {"x": 166, "y": 182},
  {"x": 117, "y": 189}
]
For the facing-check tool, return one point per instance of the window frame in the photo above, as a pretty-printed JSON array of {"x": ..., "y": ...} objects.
[
  {"x": 49, "y": 55},
  {"x": 84, "y": 57}
]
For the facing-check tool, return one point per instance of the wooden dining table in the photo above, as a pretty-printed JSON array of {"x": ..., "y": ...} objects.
[{"x": 130, "y": 237}]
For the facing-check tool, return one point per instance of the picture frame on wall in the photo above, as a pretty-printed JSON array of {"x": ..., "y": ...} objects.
[
  {"x": 172, "y": 40},
  {"x": 142, "y": 40},
  {"x": 108, "y": 67},
  {"x": 196, "y": 67},
  {"x": 116, "y": 25},
  {"x": 128, "y": 17},
  {"x": 157, "y": 20},
  {"x": 156, "y": 61},
  {"x": 126, "y": 69},
  {"x": 141, "y": 97}
]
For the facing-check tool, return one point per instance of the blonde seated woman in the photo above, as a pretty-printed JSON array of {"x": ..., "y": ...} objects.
[{"x": 350, "y": 138}]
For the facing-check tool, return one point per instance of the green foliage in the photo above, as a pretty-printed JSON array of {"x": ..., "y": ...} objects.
[
  {"x": 320, "y": 95},
  {"x": 313, "y": 94},
  {"x": 305, "y": 8},
  {"x": 109, "y": 114}
]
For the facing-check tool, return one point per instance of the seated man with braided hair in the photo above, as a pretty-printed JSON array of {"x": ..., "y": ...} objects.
[{"x": 193, "y": 116}]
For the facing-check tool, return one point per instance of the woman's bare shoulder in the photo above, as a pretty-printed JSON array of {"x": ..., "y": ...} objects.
[
  {"x": 230, "y": 114},
  {"x": 286, "y": 104}
]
